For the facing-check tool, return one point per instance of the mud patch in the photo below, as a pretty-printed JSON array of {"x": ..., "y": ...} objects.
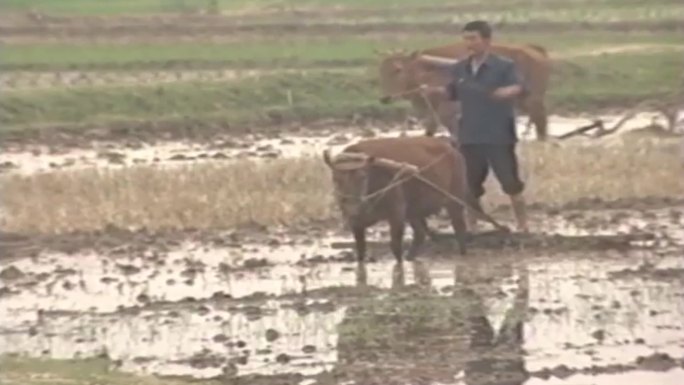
[
  {"x": 233, "y": 336},
  {"x": 647, "y": 271},
  {"x": 273, "y": 305}
]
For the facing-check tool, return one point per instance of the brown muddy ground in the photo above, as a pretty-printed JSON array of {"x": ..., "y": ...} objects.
[{"x": 290, "y": 306}]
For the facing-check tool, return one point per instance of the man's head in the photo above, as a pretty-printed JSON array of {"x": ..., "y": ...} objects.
[{"x": 477, "y": 36}]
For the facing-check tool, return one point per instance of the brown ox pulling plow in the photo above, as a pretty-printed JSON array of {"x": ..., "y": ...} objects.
[
  {"x": 408, "y": 179},
  {"x": 399, "y": 180}
]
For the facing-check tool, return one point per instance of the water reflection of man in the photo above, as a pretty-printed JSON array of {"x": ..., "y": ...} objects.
[
  {"x": 414, "y": 333},
  {"x": 496, "y": 359}
]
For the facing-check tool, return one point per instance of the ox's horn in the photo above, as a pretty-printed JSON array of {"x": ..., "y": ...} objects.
[
  {"x": 350, "y": 156},
  {"x": 349, "y": 161}
]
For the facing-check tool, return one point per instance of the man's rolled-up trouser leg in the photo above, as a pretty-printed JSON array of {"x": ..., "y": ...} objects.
[{"x": 504, "y": 162}]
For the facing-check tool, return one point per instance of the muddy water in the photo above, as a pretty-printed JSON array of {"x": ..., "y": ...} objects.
[
  {"x": 302, "y": 308},
  {"x": 113, "y": 155}
]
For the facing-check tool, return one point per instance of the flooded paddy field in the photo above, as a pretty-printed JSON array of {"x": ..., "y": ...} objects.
[
  {"x": 167, "y": 219},
  {"x": 281, "y": 306}
]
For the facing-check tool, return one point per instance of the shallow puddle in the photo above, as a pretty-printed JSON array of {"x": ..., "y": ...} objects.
[
  {"x": 112, "y": 155},
  {"x": 303, "y": 308}
]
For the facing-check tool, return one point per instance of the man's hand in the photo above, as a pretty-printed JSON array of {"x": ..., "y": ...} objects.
[{"x": 428, "y": 90}]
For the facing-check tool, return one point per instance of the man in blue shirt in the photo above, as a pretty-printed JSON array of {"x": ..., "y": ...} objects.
[{"x": 485, "y": 84}]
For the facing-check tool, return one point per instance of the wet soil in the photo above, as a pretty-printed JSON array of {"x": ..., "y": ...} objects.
[
  {"x": 593, "y": 296},
  {"x": 290, "y": 305}
]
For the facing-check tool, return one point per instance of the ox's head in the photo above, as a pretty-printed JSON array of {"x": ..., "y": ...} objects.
[
  {"x": 397, "y": 75},
  {"x": 350, "y": 176}
]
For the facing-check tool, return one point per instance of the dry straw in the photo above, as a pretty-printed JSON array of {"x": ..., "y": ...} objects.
[{"x": 224, "y": 195}]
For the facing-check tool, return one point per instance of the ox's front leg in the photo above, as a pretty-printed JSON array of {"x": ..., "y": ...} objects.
[
  {"x": 419, "y": 227},
  {"x": 397, "y": 237},
  {"x": 360, "y": 242},
  {"x": 456, "y": 214},
  {"x": 396, "y": 223}
]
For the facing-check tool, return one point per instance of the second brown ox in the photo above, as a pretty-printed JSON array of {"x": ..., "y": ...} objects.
[
  {"x": 374, "y": 180},
  {"x": 401, "y": 75}
]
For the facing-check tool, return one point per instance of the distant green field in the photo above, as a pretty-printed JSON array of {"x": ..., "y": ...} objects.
[
  {"x": 249, "y": 52},
  {"x": 591, "y": 83},
  {"x": 274, "y": 53},
  {"x": 253, "y": 100},
  {"x": 93, "y": 7},
  {"x": 150, "y": 6}
]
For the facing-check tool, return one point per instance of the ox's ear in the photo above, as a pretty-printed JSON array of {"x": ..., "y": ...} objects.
[{"x": 326, "y": 157}]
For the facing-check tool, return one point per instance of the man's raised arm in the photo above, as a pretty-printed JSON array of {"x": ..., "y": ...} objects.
[{"x": 437, "y": 62}]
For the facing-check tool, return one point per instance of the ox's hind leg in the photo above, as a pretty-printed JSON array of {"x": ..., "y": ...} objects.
[
  {"x": 360, "y": 243},
  {"x": 420, "y": 230},
  {"x": 456, "y": 213},
  {"x": 536, "y": 109},
  {"x": 397, "y": 238}
]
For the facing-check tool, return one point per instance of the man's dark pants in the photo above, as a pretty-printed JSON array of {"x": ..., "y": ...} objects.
[{"x": 503, "y": 161}]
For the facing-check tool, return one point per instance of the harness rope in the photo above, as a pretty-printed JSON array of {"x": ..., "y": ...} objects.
[
  {"x": 396, "y": 181},
  {"x": 417, "y": 90}
]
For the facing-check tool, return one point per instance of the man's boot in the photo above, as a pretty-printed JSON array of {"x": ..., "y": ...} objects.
[{"x": 520, "y": 212}]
